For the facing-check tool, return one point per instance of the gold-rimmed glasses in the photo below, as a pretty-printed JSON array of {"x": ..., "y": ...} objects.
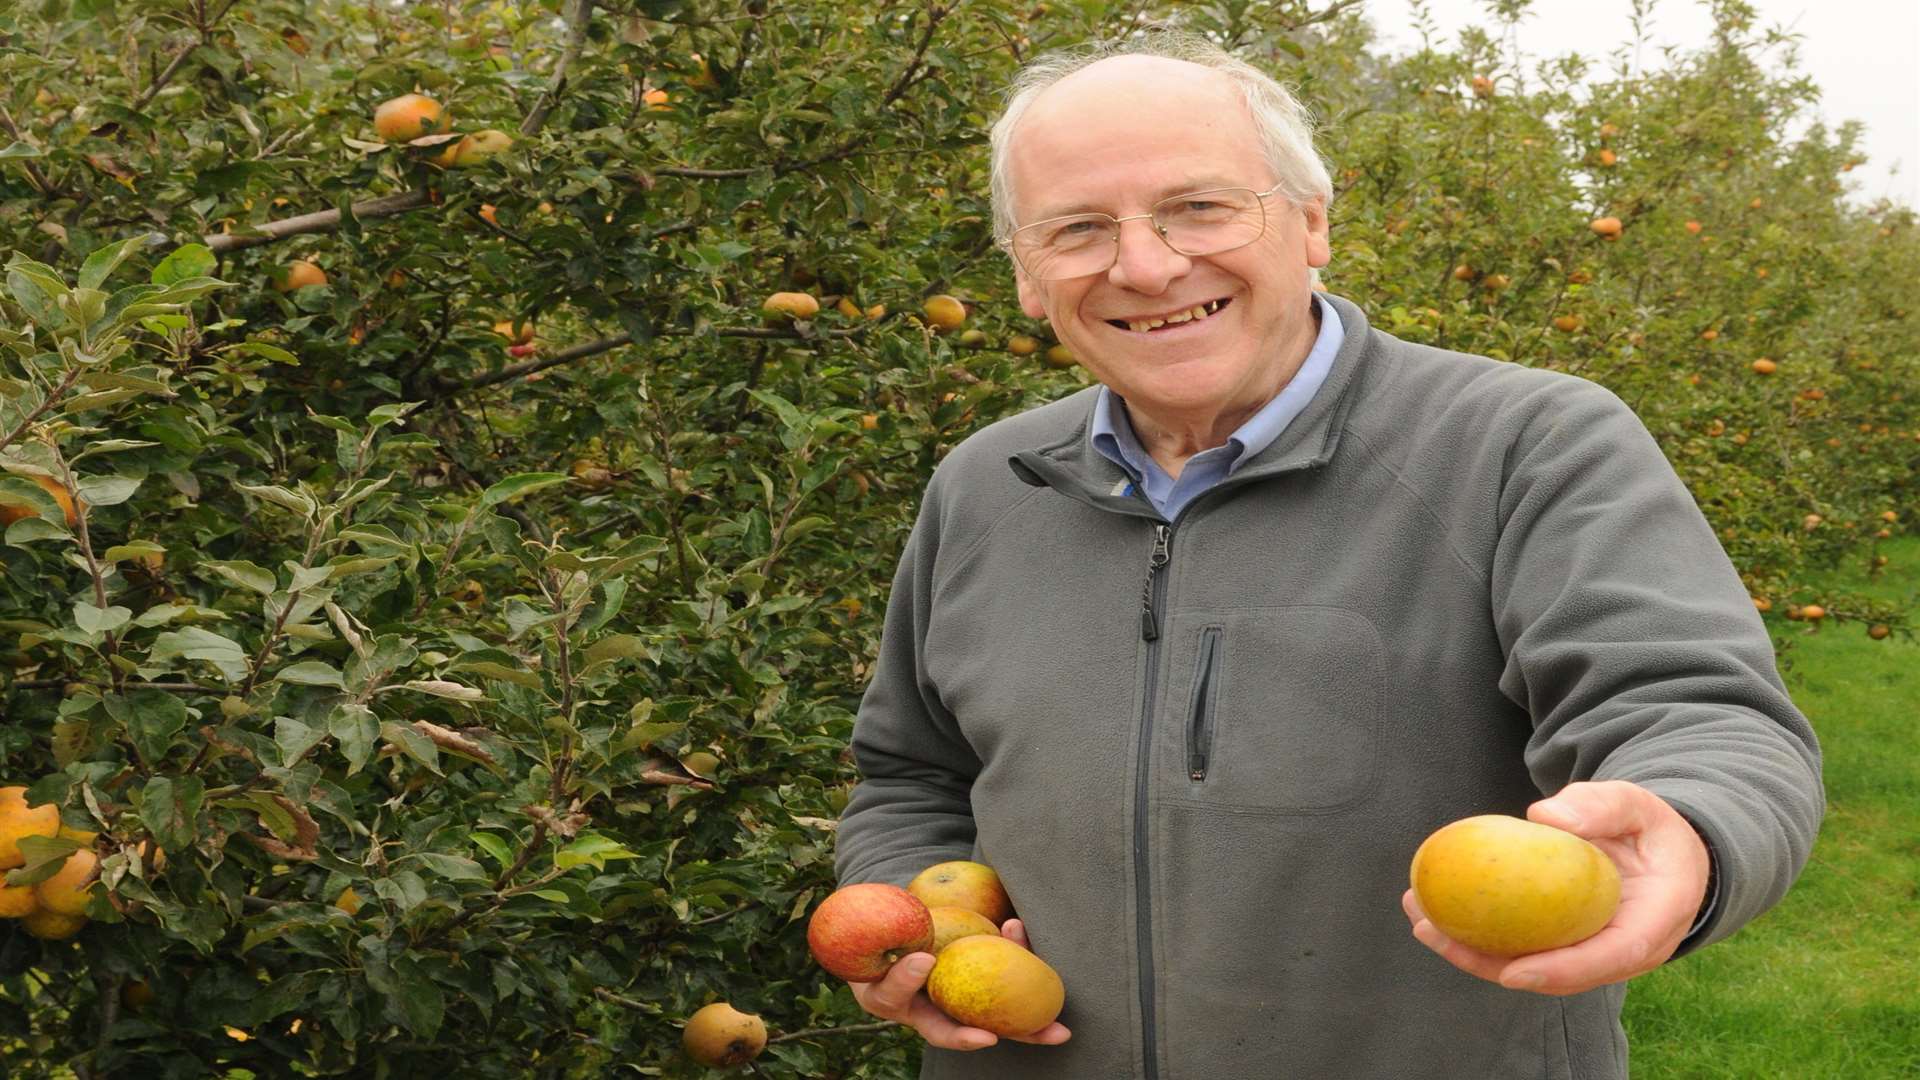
[{"x": 1197, "y": 223}]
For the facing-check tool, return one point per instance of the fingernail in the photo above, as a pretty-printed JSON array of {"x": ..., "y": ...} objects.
[
  {"x": 1525, "y": 980},
  {"x": 919, "y": 966}
]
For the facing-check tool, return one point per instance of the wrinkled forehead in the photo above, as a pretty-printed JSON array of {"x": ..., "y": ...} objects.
[{"x": 1126, "y": 119}]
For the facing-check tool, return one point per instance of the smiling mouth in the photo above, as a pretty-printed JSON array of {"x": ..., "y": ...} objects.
[{"x": 1178, "y": 318}]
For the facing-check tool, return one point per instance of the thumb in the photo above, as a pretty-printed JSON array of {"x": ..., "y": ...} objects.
[{"x": 1591, "y": 809}]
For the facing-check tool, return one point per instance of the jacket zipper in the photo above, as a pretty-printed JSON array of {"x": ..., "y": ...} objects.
[
  {"x": 1152, "y": 597},
  {"x": 1200, "y": 724}
]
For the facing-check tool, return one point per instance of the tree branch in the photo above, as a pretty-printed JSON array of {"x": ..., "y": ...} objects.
[
  {"x": 160, "y": 81},
  {"x": 579, "y": 15},
  {"x": 317, "y": 222},
  {"x": 594, "y": 348}
]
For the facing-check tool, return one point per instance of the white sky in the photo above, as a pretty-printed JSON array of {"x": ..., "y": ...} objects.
[{"x": 1864, "y": 55}]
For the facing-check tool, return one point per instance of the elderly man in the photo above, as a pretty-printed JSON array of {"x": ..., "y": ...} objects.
[{"x": 1197, "y": 657}]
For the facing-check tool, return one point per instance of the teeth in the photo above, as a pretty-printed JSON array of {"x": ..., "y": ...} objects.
[{"x": 1198, "y": 311}]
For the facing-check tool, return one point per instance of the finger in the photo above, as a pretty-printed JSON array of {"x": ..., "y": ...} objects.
[
  {"x": 1052, "y": 1035},
  {"x": 1610, "y": 956},
  {"x": 943, "y": 1031},
  {"x": 920, "y": 1014},
  {"x": 1016, "y": 931},
  {"x": 893, "y": 994},
  {"x": 1470, "y": 960}
]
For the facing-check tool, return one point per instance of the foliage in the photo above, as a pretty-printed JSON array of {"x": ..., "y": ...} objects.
[{"x": 551, "y": 660}]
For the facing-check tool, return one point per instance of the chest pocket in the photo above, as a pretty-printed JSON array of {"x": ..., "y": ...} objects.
[{"x": 1274, "y": 709}]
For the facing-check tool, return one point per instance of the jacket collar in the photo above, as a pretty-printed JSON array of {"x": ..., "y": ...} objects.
[{"x": 1071, "y": 466}]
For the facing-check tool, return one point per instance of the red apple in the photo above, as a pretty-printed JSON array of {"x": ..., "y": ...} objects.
[{"x": 859, "y": 931}]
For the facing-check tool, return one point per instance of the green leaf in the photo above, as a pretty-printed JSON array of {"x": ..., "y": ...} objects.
[
  {"x": 245, "y": 574},
  {"x": 20, "y": 150},
  {"x": 271, "y": 352},
  {"x": 101, "y": 264},
  {"x": 186, "y": 261},
  {"x": 45, "y": 856},
  {"x": 451, "y": 867},
  {"x": 495, "y": 848},
  {"x": 617, "y": 647},
  {"x": 422, "y": 1004},
  {"x": 274, "y": 816},
  {"x": 591, "y": 849},
  {"x": 194, "y": 643},
  {"x": 312, "y": 673},
  {"x": 108, "y": 490},
  {"x": 354, "y": 728},
  {"x": 520, "y": 484},
  {"x": 294, "y": 739},
  {"x": 412, "y": 743},
  {"x": 170, "y": 809},
  {"x": 95, "y": 620},
  {"x": 282, "y": 497},
  {"x": 152, "y": 718}
]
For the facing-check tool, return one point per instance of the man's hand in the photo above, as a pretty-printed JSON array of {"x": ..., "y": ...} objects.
[
  {"x": 898, "y": 997},
  {"x": 1663, "y": 877}
]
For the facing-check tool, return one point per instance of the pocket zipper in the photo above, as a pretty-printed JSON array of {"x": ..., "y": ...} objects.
[{"x": 1200, "y": 724}]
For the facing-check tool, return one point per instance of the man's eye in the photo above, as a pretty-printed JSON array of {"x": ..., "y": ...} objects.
[{"x": 1074, "y": 232}]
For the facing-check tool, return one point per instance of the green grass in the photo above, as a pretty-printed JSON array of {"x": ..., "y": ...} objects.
[{"x": 1827, "y": 984}]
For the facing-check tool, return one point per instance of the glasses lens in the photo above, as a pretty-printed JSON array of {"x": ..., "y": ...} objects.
[
  {"x": 1210, "y": 222},
  {"x": 1066, "y": 247}
]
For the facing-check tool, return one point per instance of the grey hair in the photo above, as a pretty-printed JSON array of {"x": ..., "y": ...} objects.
[{"x": 1286, "y": 128}]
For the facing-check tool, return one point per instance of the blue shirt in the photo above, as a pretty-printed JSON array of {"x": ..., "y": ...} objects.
[{"x": 1114, "y": 438}]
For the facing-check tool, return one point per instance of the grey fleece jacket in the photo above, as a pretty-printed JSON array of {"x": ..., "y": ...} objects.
[{"x": 1201, "y": 754}]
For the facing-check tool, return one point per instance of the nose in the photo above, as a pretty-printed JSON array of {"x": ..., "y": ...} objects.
[{"x": 1145, "y": 262}]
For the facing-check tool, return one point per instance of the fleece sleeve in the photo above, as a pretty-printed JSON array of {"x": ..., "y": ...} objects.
[
  {"x": 1636, "y": 649},
  {"x": 913, "y": 805}
]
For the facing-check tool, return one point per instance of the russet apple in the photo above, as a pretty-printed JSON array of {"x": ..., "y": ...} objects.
[
  {"x": 960, "y": 883},
  {"x": 721, "y": 1036},
  {"x": 994, "y": 983},
  {"x": 1509, "y": 887},
  {"x": 859, "y": 931},
  {"x": 950, "y": 924}
]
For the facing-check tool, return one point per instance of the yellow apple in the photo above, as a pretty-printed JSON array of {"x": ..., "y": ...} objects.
[
  {"x": 993, "y": 983},
  {"x": 971, "y": 885},
  {"x": 1509, "y": 887}
]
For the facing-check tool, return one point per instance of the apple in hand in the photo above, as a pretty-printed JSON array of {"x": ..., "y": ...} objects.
[
  {"x": 1508, "y": 886},
  {"x": 859, "y": 931},
  {"x": 971, "y": 885},
  {"x": 995, "y": 984}
]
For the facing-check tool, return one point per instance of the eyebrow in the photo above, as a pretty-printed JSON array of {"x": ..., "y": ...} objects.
[{"x": 1205, "y": 183}]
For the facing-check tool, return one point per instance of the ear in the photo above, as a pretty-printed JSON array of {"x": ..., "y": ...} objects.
[
  {"x": 1319, "y": 247},
  {"x": 1029, "y": 294}
]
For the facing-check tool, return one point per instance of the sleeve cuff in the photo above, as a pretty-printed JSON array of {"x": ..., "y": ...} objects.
[{"x": 1709, "y": 904}]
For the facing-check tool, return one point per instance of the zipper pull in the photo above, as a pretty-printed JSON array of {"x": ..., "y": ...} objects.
[{"x": 1149, "y": 622}]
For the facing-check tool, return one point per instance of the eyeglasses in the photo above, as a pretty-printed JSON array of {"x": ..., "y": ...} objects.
[{"x": 1197, "y": 223}]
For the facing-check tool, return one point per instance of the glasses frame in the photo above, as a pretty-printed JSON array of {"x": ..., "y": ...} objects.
[{"x": 1158, "y": 230}]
